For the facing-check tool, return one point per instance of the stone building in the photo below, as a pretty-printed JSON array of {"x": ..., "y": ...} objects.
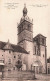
[{"x": 29, "y": 51}]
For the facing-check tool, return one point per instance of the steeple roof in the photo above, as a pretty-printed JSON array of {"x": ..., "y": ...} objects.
[
  {"x": 25, "y": 17},
  {"x": 24, "y": 10}
]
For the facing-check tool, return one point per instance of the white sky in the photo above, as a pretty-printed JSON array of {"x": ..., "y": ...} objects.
[{"x": 10, "y": 17}]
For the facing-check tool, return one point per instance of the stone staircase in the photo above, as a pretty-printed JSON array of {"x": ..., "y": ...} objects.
[{"x": 19, "y": 76}]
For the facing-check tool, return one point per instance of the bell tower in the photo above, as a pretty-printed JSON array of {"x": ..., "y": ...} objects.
[
  {"x": 25, "y": 35},
  {"x": 25, "y": 28}
]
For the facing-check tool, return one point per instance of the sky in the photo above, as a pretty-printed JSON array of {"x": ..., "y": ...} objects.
[{"x": 11, "y": 13}]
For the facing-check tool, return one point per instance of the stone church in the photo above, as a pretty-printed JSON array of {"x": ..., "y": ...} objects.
[{"x": 28, "y": 53}]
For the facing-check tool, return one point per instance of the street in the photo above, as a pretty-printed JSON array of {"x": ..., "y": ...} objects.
[
  {"x": 39, "y": 77},
  {"x": 42, "y": 77}
]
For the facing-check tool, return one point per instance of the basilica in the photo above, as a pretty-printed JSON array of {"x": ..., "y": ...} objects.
[{"x": 28, "y": 53}]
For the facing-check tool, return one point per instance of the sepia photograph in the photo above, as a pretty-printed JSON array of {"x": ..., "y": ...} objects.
[{"x": 24, "y": 40}]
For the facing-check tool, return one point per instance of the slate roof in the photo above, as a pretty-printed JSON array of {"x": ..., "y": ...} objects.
[{"x": 16, "y": 48}]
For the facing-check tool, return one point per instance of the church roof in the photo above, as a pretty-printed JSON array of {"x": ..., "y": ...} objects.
[
  {"x": 12, "y": 47},
  {"x": 37, "y": 36},
  {"x": 19, "y": 49}
]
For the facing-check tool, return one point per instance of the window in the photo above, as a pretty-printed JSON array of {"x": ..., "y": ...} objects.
[
  {"x": 3, "y": 61},
  {"x": 2, "y": 55},
  {"x": 29, "y": 28},
  {"x": 14, "y": 56},
  {"x": 42, "y": 40},
  {"x": 19, "y": 56},
  {"x": 34, "y": 50},
  {"x": 9, "y": 69},
  {"x": 43, "y": 55},
  {"x": 37, "y": 52},
  {"x": 4, "y": 50},
  {"x": 13, "y": 68},
  {"x": 37, "y": 41},
  {"x": 9, "y": 61},
  {"x": 9, "y": 51}
]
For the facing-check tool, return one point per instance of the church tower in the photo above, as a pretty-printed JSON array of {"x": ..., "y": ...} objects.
[
  {"x": 25, "y": 29},
  {"x": 25, "y": 33}
]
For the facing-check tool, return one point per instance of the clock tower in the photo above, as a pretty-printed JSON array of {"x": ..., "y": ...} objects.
[{"x": 25, "y": 33}]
